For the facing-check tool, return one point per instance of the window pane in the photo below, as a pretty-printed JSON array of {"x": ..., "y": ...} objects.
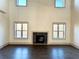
[
  {"x": 61, "y": 27},
  {"x": 55, "y": 27},
  {"x": 18, "y": 34},
  {"x": 55, "y": 35},
  {"x": 24, "y": 34},
  {"x": 61, "y": 35},
  {"x": 60, "y": 3},
  {"x": 18, "y": 26},
  {"x": 21, "y": 2},
  {"x": 24, "y": 26}
]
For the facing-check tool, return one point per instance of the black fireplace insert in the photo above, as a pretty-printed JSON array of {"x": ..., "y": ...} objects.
[{"x": 40, "y": 37}]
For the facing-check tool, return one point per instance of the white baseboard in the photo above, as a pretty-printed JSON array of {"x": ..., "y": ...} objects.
[
  {"x": 59, "y": 44},
  {"x": 3, "y": 45},
  {"x": 47, "y": 44},
  {"x": 19, "y": 43}
]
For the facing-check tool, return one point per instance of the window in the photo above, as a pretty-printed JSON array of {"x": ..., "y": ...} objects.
[
  {"x": 59, "y": 3},
  {"x": 21, "y": 2},
  {"x": 21, "y": 30},
  {"x": 59, "y": 30}
]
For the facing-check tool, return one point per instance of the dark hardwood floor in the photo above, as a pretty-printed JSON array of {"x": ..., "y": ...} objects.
[{"x": 39, "y": 52}]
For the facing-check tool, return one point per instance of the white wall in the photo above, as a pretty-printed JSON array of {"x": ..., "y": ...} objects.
[
  {"x": 75, "y": 22},
  {"x": 4, "y": 5},
  {"x": 40, "y": 14},
  {"x": 4, "y": 23}
]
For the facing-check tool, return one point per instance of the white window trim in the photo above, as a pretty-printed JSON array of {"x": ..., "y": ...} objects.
[
  {"x": 21, "y": 33},
  {"x": 21, "y": 5},
  {"x": 53, "y": 31},
  {"x": 60, "y": 7}
]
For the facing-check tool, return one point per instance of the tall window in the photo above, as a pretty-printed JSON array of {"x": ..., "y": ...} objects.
[
  {"x": 21, "y": 2},
  {"x": 21, "y": 30},
  {"x": 59, "y": 30},
  {"x": 59, "y": 3}
]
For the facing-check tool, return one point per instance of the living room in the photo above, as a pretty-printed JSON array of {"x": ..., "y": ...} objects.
[{"x": 44, "y": 24}]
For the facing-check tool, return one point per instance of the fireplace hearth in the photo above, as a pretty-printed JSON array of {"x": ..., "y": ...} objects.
[{"x": 40, "y": 37}]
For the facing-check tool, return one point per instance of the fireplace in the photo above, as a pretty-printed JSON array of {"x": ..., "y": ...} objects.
[{"x": 40, "y": 37}]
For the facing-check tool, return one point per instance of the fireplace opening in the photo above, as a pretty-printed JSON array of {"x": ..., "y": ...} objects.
[{"x": 40, "y": 37}]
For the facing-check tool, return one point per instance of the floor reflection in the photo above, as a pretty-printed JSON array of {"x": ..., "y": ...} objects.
[
  {"x": 21, "y": 53},
  {"x": 57, "y": 53}
]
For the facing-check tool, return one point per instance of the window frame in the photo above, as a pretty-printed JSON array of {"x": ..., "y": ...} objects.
[
  {"x": 59, "y": 31},
  {"x": 60, "y": 7},
  {"x": 21, "y": 5},
  {"x": 14, "y": 31}
]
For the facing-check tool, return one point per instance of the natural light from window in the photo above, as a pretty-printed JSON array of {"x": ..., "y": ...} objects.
[
  {"x": 21, "y": 2},
  {"x": 21, "y": 30},
  {"x": 60, "y": 3}
]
